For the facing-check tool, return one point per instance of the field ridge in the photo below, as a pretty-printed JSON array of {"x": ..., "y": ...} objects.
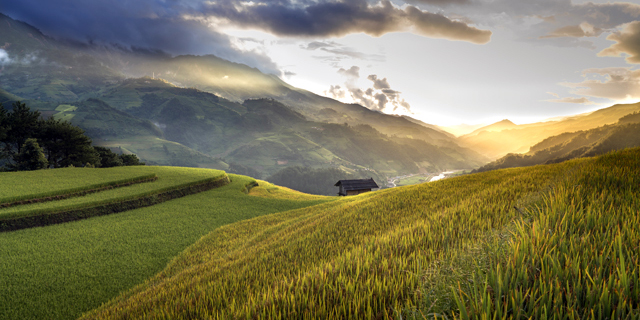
[
  {"x": 44, "y": 217},
  {"x": 77, "y": 192}
]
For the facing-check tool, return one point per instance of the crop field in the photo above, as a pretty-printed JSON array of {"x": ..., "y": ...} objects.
[
  {"x": 359, "y": 256},
  {"x": 60, "y": 271},
  {"x": 169, "y": 178},
  {"x": 565, "y": 242},
  {"x": 47, "y": 183},
  {"x": 576, "y": 255}
]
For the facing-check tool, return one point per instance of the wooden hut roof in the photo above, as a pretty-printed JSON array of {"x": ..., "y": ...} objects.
[{"x": 357, "y": 184}]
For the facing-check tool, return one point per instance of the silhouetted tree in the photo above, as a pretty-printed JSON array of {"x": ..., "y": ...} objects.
[
  {"x": 30, "y": 157},
  {"x": 67, "y": 145},
  {"x": 19, "y": 125},
  {"x": 131, "y": 160},
  {"x": 108, "y": 158}
]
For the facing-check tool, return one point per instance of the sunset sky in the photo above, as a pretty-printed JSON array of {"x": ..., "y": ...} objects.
[{"x": 442, "y": 61}]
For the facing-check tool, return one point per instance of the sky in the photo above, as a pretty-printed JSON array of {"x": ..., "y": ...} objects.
[{"x": 445, "y": 62}]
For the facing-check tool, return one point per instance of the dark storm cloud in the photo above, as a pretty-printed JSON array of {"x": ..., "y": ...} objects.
[
  {"x": 142, "y": 23},
  {"x": 440, "y": 3},
  {"x": 339, "y": 18}
]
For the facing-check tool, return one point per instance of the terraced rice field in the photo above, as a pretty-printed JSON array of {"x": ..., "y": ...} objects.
[
  {"x": 165, "y": 179},
  {"x": 60, "y": 271},
  {"x": 569, "y": 252},
  {"x": 525, "y": 243},
  {"x": 30, "y": 185}
]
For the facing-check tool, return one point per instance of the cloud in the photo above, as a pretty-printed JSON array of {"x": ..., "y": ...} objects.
[
  {"x": 348, "y": 52},
  {"x": 546, "y": 20},
  {"x": 440, "y": 3},
  {"x": 151, "y": 24},
  {"x": 4, "y": 58},
  {"x": 627, "y": 42},
  {"x": 336, "y": 92},
  {"x": 582, "y": 100},
  {"x": 584, "y": 29},
  {"x": 438, "y": 26},
  {"x": 610, "y": 83},
  {"x": 26, "y": 59},
  {"x": 289, "y": 74},
  {"x": 340, "y": 50},
  {"x": 320, "y": 44},
  {"x": 379, "y": 97},
  {"x": 339, "y": 18},
  {"x": 353, "y": 72},
  {"x": 379, "y": 83}
]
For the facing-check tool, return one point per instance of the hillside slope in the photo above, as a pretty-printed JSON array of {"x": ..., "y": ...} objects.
[
  {"x": 569, "y": 145},
  {"x": 366, "y": 256},
  {"x": 518, "y": 139},
  {"x": 227, "y": 107},
  {"x": 58, "y": 272}
]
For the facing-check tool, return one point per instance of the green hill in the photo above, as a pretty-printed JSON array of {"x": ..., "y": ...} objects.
[
  {"x": 228, "y": 108},
  {"x": 569, "y": 145},
  {"x": 475, "y": 245},
  {"x": 533, "y": 240},
  {"x": 265, "y": 135},
  {"x": 62, "y": 270}
]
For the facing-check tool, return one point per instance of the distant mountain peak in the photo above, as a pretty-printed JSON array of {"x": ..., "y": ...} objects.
[{"x": 505, "y": 122}]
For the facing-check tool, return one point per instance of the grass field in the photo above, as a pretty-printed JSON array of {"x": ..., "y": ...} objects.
[
  {"x": 60, "y": 271},
  {"x": 46, "y": 183},
  {"x": 537, "y": 242},
  {"x": 169, "y": 178},
  {"x": 382, "y": 254},
  {"x": 360, "y": 256}
]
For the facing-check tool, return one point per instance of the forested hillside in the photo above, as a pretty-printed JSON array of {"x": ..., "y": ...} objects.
[{"x": 624, "y": 134}]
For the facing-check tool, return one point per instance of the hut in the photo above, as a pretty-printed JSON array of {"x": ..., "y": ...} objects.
[{"x": 357, "y": 186}]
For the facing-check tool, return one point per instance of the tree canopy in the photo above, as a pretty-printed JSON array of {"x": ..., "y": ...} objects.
[{"x": 28, "y": 142}]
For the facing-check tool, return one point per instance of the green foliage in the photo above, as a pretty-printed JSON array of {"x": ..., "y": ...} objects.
[
  {"x": 63, "y": 144},
  {"x": 131, "y": 160},
  {"x": 108, "y": 158},
  {"x": 30, "y": 157},
  {"x": 66, "y": 144},
  {"x": 91, "y": 261},
  {"x": 19, "y": 125}
]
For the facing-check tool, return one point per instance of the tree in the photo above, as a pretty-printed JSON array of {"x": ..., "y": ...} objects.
[
  {"x": 31, "y": 157},
  {"x": 131, "y": 160},
  {"x": 19, "y": 125},
  {"x": 67, "y": 145},
  {"x": 4, "y": 128},
  {"x": 108, "y": 158}
]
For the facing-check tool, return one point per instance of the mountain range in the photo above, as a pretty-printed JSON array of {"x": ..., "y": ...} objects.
[
  {"x": 203, "y": 111},
  {"x": 208, "y": 112}
]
